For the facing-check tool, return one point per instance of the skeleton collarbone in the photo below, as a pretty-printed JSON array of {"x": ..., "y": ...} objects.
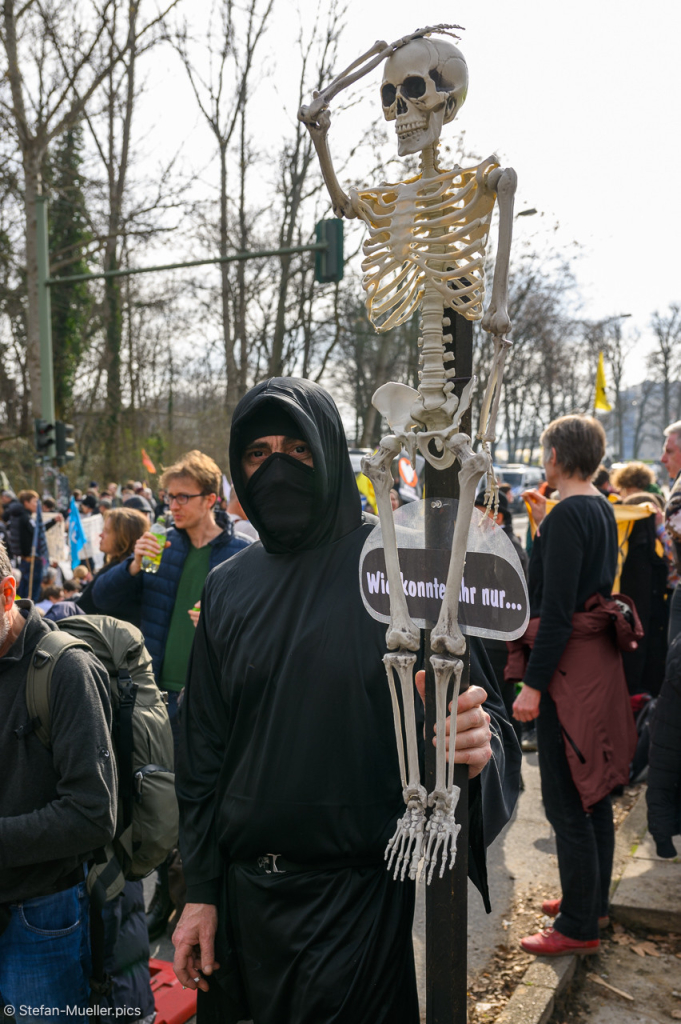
[{"x": 426, "y": 231}]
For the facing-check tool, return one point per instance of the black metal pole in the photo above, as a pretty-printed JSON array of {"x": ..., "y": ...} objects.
[{"x": 446, "y": 898}]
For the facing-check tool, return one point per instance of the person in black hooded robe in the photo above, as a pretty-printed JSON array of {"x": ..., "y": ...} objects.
[{"x": 287, "y": 774}]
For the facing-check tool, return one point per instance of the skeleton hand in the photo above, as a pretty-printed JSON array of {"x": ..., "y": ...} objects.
[
  {"x": 473, "y": 734},
  {"x": 317, "y": 126}
]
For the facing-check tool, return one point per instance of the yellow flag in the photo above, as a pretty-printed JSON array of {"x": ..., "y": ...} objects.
[{"x": 601, "y": 402}]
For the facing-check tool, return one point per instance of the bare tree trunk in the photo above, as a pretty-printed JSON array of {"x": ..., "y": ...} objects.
[
  {"x": 57, "y": 101},
  {"x": 232, "y": 390},
  {"x": 240, "y": 329},
  {"x": 370, "y": 414},
  {"x": 31, "y": 192}
]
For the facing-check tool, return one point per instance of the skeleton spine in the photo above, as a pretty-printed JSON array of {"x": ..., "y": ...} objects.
[{"x": 432, "y": 376}]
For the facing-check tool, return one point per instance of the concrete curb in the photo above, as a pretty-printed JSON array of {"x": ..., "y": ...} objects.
[
  {"x": 647, "y": 891},
  {"x": 534, "y": 999}
]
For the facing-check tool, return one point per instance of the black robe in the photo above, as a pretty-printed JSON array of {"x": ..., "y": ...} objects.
[{"x": 288, "y": 748}]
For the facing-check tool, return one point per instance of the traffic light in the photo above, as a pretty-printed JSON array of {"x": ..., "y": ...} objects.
[
  {"x": 44, "y": 438},
  {"x": 66, "y": 441},
  {"x": 328, "y": 263}
]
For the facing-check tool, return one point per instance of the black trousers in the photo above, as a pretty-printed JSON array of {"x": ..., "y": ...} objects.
[{"x": 585, "y": 842}]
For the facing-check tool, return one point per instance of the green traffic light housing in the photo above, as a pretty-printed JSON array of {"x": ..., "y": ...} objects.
[
  {"x": 65, "y": 440},
  {"x": 328, "y": 263},
  {"x": 43, "y": 436}
]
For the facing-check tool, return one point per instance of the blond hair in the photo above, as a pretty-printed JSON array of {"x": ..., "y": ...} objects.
[
  {"x": 23, "y": 496},
  {"x": 199, "y": 467}
]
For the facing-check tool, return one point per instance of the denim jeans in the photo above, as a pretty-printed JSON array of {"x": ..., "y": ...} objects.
[
  {"x": 585, "y": 843},
  {"x": 45, "y": 955}
]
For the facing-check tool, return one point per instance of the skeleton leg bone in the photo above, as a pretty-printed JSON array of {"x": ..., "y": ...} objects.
[
  {"x": 446, "y": 637},
  {"x": 401, "y": 632},
  {"x": 404, "y": 849},
  {"x": 441, "y": 828}
]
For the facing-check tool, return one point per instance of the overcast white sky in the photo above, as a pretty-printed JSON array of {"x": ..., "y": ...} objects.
[{"x": 582, "y": 98}]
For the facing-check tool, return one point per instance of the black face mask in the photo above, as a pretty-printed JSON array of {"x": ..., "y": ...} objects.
[{"x": 282, "y": 495}]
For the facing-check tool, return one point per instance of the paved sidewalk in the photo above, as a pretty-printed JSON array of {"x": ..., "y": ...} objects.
[{"x": 649, "y": 892}]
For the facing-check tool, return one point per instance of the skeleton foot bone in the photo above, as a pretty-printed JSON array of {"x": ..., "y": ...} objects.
[
  {"x": 405, "y": 846},
  {"x": 441, "y": 828}
]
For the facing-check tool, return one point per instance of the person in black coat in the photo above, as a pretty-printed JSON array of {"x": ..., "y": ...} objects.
[
  {"x": 21, "y": 530},
  {"x": 664, "y": 773},
  {"x": 287, "y": 771}
]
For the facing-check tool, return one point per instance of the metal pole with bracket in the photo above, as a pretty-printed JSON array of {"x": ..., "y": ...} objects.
[{"x": 447, "y": 897}]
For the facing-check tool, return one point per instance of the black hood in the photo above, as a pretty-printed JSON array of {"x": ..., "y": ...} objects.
[{"x": 339, "y": 509}]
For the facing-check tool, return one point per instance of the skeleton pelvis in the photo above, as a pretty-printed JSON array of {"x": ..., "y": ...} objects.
[
  {"x": 437, "y": 448},
  {"x": 394, "y": 402}
]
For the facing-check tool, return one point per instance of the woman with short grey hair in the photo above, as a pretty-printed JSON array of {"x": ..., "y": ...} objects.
[{"x": 573, "y": 682}]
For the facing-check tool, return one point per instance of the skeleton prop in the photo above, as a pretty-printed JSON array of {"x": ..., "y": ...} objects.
[{"x": 425, "y": 249}]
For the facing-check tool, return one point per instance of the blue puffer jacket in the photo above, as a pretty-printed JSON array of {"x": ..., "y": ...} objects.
[
  {"x": 126, "y": 954},
  {"x": 156, "y": 592}
]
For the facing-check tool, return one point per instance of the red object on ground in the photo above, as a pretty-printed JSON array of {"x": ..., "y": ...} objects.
[
  {"x": 552, "y": 909},
  {"x": 174, "y": 1004},
  {"x": 552, "y": 943}
]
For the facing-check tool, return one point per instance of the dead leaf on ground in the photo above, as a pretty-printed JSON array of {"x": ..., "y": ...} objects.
[
  {"x": 639, "y": 950},
  {"x": 676, "y": 1015},
  {"x": 650, "y": 948}
]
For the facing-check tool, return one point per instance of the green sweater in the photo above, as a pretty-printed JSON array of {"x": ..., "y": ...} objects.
[{"x": 182, "y": 629}]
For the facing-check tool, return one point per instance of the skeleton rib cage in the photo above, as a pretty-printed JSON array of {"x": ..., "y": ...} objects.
[{"x": 426, "y": 231}]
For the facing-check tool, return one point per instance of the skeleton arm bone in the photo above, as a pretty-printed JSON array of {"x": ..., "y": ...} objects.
[
  {"x": 318, "y": 129},
  {"x": 502, "y": 180}
]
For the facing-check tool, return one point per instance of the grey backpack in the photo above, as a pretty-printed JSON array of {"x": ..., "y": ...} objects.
[{"x": 147, "y": 819}]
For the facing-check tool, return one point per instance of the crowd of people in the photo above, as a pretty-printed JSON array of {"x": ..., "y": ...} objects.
[{"x": 286, "y": 765}]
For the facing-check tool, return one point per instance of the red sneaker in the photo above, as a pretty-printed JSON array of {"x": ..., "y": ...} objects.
[
  {"x": 552, "y": 909},
  {"x": 553, "y": 943}
]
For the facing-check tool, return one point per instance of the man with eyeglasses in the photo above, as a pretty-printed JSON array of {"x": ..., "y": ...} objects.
[{"x": 170, "y": 598}]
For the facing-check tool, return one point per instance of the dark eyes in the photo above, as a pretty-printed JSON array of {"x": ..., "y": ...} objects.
[
  {"x": 388, "y": 95},
  {"x": 413, "y": 88}
]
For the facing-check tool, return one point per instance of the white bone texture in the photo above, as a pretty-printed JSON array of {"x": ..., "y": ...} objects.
[
  {"x": 426, "y": 248},
  {"x": 419, "y": 232},
  {"x": 441, "y": 828}
]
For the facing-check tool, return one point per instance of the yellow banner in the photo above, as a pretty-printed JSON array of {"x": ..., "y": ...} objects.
[
  {"x": 625, "y": 517},
  {"x": 601, "y": 401}
]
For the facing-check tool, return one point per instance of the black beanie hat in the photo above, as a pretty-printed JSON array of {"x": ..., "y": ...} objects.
[{"x": 269, "y": 419}]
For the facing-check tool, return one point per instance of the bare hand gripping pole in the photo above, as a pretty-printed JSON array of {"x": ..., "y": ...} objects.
[{"x": 425, "y": 249}]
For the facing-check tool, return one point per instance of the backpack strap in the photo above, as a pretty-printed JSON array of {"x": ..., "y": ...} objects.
[
  {"x": 48, "y": 651},
  {"x": 127, "y": 695}
]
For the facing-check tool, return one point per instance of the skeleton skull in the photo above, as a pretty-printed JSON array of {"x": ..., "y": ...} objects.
[{"x": 424, "y": 85}]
